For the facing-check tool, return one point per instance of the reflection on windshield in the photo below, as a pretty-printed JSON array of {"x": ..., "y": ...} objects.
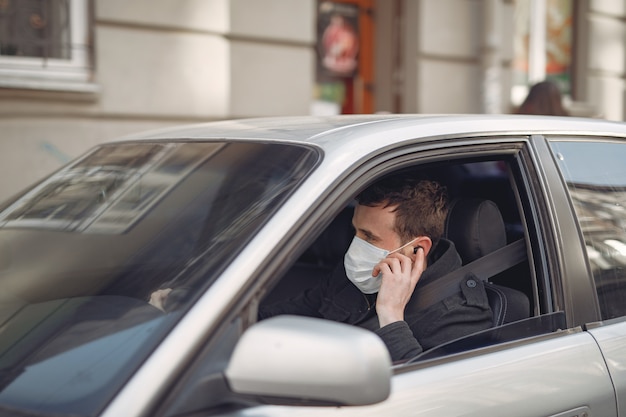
[
  {"x": 81, "y": 253},
  {"x": 107, "y": 191},
  {"x": 64, "y": 354}
]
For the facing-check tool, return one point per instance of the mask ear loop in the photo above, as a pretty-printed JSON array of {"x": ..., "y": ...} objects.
[{"x": 404, "y": 246}]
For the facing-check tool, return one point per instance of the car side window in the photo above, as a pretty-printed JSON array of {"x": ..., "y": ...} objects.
[
  {"x": 595, "y": 174},
  {"x": 478, "y": 184}
]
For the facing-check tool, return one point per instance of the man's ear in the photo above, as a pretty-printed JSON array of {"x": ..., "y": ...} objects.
[{"x": 424, "y": 242}]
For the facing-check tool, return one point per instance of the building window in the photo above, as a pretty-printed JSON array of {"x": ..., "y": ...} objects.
[{"x": 45, "y": 45}]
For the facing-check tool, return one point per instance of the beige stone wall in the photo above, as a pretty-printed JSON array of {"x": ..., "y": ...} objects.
[
  {"x": 449, "y": 60},
  {"x": 160, "y": 63},
  {"x": 205, "y": 58},
  {"x": 606, "y": 58},
  {"x": 443, "y": 55}
]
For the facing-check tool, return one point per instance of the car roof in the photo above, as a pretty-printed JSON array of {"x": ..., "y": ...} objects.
[
  {"x": 360, "y": 135},
  {"x": 313, "y": 128}
]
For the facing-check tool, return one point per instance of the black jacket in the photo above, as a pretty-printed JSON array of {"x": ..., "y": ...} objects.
[{"x": 339, "y": 300}]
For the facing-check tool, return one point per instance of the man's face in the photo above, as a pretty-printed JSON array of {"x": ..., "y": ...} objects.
[{"x": 375, "y": 225}]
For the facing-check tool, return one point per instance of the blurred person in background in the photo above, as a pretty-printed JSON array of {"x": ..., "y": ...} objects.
[{"x": 544, "y": 98}]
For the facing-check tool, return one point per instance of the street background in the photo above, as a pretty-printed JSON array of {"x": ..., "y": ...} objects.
[{"x": 74, "y": 73}]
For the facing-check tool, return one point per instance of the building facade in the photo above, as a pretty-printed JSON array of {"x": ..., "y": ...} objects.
[{"x": 74, "y": 73}]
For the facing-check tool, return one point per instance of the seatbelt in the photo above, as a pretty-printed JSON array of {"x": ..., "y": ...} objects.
[{"x": 482, "y": 269}]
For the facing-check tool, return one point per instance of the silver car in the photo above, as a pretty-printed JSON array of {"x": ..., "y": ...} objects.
[{"x": 234, "y": 215}]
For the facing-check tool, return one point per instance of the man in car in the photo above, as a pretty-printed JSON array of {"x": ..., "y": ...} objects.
[{"x": 397, "y": 250}]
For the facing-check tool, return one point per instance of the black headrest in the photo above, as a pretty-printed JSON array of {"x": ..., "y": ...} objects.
[{"x": 476, "y": 227}]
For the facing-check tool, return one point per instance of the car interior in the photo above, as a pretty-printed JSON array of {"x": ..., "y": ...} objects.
[{"x": 483, "y": 218}]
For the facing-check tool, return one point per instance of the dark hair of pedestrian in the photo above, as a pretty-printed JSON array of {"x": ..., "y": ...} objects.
[{"x": 544, "y": 98}]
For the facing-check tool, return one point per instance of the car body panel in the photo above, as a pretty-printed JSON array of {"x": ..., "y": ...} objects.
[
  {"x": 548, "y": 377},
  {"x": 611, "y": 338},
  {"x": 347, "y": 139}
]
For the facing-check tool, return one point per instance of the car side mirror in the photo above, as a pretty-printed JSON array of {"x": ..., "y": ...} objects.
[{"x": 298, "y": 360}]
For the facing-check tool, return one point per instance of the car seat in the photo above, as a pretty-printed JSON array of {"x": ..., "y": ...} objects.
[{"x": 476, "y": 227}]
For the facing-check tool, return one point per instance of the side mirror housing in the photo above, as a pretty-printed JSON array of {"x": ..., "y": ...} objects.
[{"x": 288, "y": 359}]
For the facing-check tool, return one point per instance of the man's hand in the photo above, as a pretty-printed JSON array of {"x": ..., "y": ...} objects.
[
  {"x": 158, "y": 297},
  {"x": 400, "y": 276}
]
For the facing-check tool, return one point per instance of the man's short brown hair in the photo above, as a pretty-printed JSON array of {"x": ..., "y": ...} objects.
[{"x": 422, "y": 205}]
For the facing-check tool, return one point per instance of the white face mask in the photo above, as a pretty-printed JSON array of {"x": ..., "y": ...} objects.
[{"x": 360, "y": 260}]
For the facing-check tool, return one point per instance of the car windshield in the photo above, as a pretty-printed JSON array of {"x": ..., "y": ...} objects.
[{"x": 82, "y": 252}]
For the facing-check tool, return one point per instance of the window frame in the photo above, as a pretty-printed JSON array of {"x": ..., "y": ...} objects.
[
  {"x": 581, "y": 247},
  {"x": 531, "y": 205},
  {"x": 51, "y": 74},
  {"x": 579, "y": 291}
]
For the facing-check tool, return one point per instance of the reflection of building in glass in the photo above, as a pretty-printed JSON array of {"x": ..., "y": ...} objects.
[
  {"x": 107, "y": 191},
  {"x": 602, "y": 216}
]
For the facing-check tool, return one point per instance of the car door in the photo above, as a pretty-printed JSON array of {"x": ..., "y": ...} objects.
[
  {"x": 594, "y": 172},
  {"x": 557, "y": 371},
  {"x": 543, "y": 365}
]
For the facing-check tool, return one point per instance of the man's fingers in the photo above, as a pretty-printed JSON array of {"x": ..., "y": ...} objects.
[
  {"x": 388, "y": 264},
  {"x": 398, "y": 263}
]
